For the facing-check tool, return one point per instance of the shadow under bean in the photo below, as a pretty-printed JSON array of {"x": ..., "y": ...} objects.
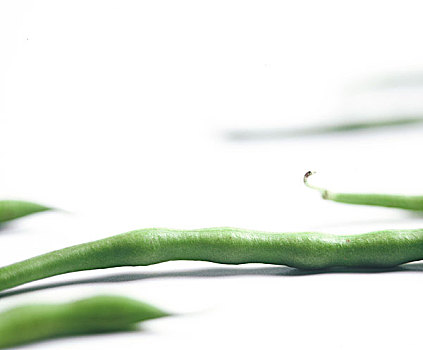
[{"x": 218, "y": 272}]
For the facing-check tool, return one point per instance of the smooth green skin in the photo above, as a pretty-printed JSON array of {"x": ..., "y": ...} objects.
[
  {"x": 97, "y": 314},
  {"x": 380, "y": 200},
  {"x": 226, "y": 246},
  {"x": 10, "y": 210}
]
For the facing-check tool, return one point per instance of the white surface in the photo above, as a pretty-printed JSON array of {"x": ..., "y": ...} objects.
[{"x": 115, "y": 111}]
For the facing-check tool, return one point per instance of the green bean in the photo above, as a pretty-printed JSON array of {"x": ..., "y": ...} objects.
[
  {"x": 305, "y": 250},
  {"x": 10, "y": 209},
  {"x": 375, "y": 199},
  {"x": 97, "y": 314},
  {"x": 348, "y": 127}
]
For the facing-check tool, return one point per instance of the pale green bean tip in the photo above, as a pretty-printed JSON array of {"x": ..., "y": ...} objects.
[{"x": 323, "y": 192}]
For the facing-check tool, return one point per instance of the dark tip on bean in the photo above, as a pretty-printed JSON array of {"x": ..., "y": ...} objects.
[{"x": 307, "y": 175}]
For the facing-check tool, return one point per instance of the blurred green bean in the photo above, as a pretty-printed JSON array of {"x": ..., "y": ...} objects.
[
  {"x": 30, "y": 323},
  {"x": 282, "y": 133},
  {"x": 13, "y": 209}
]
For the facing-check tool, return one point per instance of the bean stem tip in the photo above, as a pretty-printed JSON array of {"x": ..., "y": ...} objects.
[{"x": 323, "y": 192}]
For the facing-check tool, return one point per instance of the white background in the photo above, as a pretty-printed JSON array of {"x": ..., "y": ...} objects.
[{"x": 117, "y": 111}]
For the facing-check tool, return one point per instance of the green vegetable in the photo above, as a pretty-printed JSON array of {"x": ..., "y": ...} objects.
[
  {"x": 281, "y": 133},
  {"x": 305, "y": 250},
  {"x": 10, "y": 210},
  {"x": 30, "y": 323},
  {"x": 383, "y": 200}
]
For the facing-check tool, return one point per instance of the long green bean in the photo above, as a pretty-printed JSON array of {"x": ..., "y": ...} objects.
[
  {"x": 305, "y": 250},
  {"x": 375, "y": 199},
  {"x": 97, "y": 314}
]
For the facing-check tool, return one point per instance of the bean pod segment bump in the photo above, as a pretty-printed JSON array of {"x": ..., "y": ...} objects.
[{"x": 224, "y": 245}]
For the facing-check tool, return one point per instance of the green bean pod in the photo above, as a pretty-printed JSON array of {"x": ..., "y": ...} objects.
[
  {"x": 97, "y": 314},
  {"x": 11, "y": 209},
  {"x": 282, "y": 133},
  {"x": 375, "y": 199},
  {"x": 305, "y": 250}
]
